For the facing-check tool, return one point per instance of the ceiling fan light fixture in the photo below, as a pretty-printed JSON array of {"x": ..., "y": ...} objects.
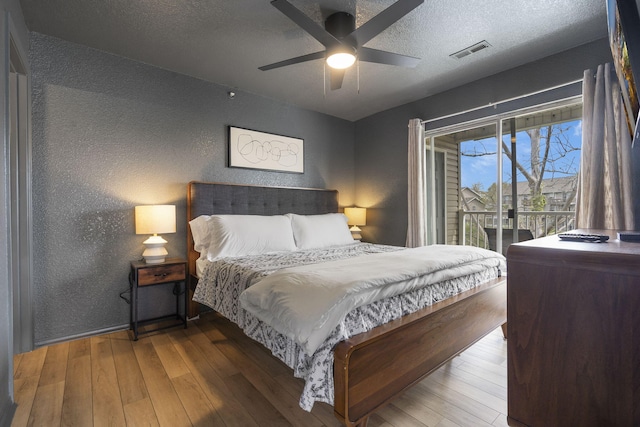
[
  {"x": 343, "y": 42},
  {"x": 341, "y": 60}
]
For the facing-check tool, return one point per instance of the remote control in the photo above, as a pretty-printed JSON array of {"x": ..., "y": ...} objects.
[{"x": 575, "y": 237}]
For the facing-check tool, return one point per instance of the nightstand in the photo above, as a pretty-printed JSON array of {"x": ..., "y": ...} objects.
[{"x": 173, "y": 270}]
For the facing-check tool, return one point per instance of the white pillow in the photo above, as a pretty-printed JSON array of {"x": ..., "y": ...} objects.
[
  {"x": 320, "y": 231},
  {"x": 239, "y": 235},
  {"x": 201, "y": 234}
]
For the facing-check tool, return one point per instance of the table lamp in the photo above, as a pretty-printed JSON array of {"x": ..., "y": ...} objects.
[
  {"x": 356, "y": 217},
  {"x": 155, "y": 219}
]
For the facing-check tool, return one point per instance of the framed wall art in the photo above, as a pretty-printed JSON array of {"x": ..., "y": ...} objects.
[
  {"x": 259, "y": 150},
  {"x": 624, "y": 39}
]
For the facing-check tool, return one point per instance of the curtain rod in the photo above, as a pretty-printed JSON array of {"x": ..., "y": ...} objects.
[{"x": 496, "y": 104}]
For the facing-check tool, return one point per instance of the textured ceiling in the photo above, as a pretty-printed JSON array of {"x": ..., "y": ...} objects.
[{"x": 225, "y": 41}]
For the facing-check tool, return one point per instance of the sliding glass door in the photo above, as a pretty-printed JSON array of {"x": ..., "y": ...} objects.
[
  {"x": 513, "y": 177},
  {"x": 541, "y": 160}
]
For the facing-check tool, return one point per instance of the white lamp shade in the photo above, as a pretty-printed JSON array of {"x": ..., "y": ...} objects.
[
  {"x": 341, "y": 57},
  {"x": 356, "y": 216},
  {"x": 155, "y": 219},
  {"x": 341, "y": 60}
]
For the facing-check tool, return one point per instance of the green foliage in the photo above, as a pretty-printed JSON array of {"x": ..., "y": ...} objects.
[
  {"x": 475, "y": 235},
  {"x": 538, "y": 202}
]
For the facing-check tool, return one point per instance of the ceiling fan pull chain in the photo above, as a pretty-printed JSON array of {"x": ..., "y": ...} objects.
[
  {"x": 324, "y": 81},
  {"x": 358, "y": 75}
]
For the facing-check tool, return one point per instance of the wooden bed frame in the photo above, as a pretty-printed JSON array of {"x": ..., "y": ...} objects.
[{"x": 371, "y": 368}]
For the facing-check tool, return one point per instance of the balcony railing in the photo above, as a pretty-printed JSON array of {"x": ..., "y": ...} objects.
[{"x": 540, "y": 224}]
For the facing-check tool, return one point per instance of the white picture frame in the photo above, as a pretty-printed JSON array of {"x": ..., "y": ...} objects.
[{"x": 259, "y": 150}]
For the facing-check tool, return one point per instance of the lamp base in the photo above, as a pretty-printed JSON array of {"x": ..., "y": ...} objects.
[
  {"x": 355, "y": 232},
  {"x": 155, "y": 253}
]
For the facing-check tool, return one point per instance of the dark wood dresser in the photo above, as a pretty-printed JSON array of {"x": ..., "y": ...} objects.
[{"x": 573, "y": 312}]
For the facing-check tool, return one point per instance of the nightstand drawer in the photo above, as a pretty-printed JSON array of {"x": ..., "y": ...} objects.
[{"x": 161, "y": 274}]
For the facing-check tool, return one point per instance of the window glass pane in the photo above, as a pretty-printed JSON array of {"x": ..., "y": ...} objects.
[{"x": 547, "y": 159}]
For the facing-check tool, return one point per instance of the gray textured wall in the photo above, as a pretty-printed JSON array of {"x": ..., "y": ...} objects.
[
  {"x": 109, "y": 134},
  {"x": 381, "y": 139}
]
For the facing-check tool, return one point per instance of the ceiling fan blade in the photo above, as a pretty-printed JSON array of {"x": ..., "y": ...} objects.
[
  {"x": 381, "y": 57},
  {"x": 383, "y": 20},
  {"x": 296, "y": 60},
  {"x": 336, "y": 78},
  {"x": 306, "y": 23}
]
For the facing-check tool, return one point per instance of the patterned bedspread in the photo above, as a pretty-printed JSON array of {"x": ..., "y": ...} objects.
[{"x": 224, "y": 280}]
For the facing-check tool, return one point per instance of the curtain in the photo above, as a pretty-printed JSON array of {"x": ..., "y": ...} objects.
[
  {"x": 604, "y": 199},
  {"x": 417, "y": 190}
]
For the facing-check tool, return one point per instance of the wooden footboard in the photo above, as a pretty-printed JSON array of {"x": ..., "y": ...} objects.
[{"x": 373, "y": 367}]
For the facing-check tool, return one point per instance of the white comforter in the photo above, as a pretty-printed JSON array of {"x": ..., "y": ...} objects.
[{"x": 306, "y": 303}]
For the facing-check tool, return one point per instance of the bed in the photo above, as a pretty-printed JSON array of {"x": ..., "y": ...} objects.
[{"x": 365, "y": 367}]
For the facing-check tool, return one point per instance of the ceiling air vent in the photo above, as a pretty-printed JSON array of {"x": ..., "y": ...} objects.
[{"x": 471, "y": 49}]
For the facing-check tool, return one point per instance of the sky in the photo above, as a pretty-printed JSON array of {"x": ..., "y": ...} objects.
[{"x": 482, "y": 169}]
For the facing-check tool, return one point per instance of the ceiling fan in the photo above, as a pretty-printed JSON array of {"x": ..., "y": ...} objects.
[{"x": 344, "y": 42}]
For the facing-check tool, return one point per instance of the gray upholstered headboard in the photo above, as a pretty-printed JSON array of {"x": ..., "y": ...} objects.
[
  {"x": 206, "y": 198},
  {"x": 209, "y": 198}
]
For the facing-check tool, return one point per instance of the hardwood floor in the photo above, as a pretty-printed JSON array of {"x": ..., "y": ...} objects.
[{"x": 212, "y": 375}]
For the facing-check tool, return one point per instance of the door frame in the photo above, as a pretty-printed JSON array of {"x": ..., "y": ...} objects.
[
  {"x": 439, "y": 200},
  {"x": 19, "y": 187}
]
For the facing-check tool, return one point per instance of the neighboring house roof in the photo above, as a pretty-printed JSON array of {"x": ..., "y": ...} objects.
[
  {"x": 470, "y": 197},
  {"x": 549, "y": 186},
  {"x": 470, "y": 193}
]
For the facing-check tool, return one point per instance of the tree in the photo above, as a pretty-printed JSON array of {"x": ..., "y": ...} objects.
[
  {"x": 478, "y": 187},
  {"x": 551, "y": 146},
  {"x": 551, "y": 152}
]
